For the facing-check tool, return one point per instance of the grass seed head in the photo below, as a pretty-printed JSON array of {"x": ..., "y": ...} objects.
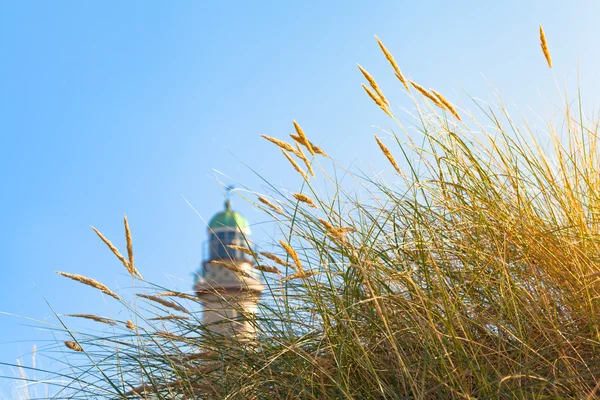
[
  {"x": 131, "y": 265},
  {"x": 90, "y": 282},
  {"x": 292, "y": 253},
  {"x": 73, "y": 346},
  {"x": 305, "y": 199},
  {"x": 315, "y": 148},
  {"x": 163, "y": 302},
  {"x": 427, "y": 94},
  {"x": 112, "y": 248},
  {"x": 374, "y": 85},
  {"x": 303, "y": 139},
  {"x": 272, "y": 206},
  {"x": 300, "y": 154},
  {"x": 276, "y": 259},
  {"x": 94, "y": 318},
  {"x": 377, "y": 100},
  {"x": 388, "y": 154},
  {"x": 447, "y": 105},
  {"x": 177, "y": 294},
  {"x": 544, "y": 45},
  {"x": 280, "y": 143},
  {"x": 296, "y": 166},
  {"x": 244, "y": 250},
  {"x": 393, "y": 63},
  {"x": 130, "y": 325},
  {"x": 267, "y": 268}
]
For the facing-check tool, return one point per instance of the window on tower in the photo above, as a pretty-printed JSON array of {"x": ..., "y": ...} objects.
[{"x": 219, "y": 242}]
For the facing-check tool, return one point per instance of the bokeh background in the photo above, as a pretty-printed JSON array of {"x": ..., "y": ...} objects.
[{"x": 142, "y": 107}]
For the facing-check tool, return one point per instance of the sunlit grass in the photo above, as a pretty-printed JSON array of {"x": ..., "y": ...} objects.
[{"x": 473, "y": 275}]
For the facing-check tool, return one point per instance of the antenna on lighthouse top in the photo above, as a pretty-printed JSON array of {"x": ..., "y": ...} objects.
[{"x": 228, "y": 191}]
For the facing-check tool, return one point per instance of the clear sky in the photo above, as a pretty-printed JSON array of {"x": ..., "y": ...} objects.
[{"x": 129, "y": 107}]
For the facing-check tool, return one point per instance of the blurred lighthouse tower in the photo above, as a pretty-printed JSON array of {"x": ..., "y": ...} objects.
[{"x": 229, "y": 297}]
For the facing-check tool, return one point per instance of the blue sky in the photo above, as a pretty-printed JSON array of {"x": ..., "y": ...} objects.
[{"x": 130, "y": 107}]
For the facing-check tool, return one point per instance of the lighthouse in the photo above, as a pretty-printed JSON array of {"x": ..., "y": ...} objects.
[{"x": 227, "y": 284}]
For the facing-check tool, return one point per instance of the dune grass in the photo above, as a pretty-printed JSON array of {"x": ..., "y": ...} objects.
[{"x": 475, "y": 274}]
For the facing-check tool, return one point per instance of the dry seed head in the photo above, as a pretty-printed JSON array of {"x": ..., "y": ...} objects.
[
  {"x": 267, "y": 268},
  {"x": 374, "y": 85},
  {"x": 388, "y": 154},
  {"x": 336, "y": 233},
  {"x": 303, "y": 139},
  {"x": 377, "y": 100},
  {"x": 299, "y": 275},
  {"x": 272, "y": 206},
  {"x": 131, "y": 268},
  {"x": 295, "y": 165},
  {"x": 292, "y": 253},
  {"x": 166, "y": 303},
  {"x": 90, "y": 282},
  {"x": 168, "y": 317},
  {"x": 305, "y": 199},
  {"x": 544, "y": 45},
  {"x": 280, "y": 143},
  {"x": 276, "y": 259},
  {"x": 446, "y": 104},
  {"x": 178, "y": 294},
  {"x": 73, "y": 346},
  {"x": 129, "y": 324},
  {"x": 243, "y": 250},
  {"x": 426, "y": 93},
  {"x": 113, "y": 249},
  {"x": 300, "y": 154},
  {"x": 230, "y": 266},
  {"x": 393, "y": 63},
  {"x": 94, "y": 318},
  {"x": 316, "y": 148}
]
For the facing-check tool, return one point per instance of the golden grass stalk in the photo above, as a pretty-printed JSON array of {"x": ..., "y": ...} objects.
[
  {"x": 305, "y": 199},
  {"x": 168, "y": 318},
  {"x": 316, "y": 148},
  {"x": 295, "y": 165},
  {"x": 280, "y": 143},
  {"x": 90, "y": 282},
  {"x": 113, "y": 249},
  {"x": 272, "y": 206},
  {"x": 131, "y": 265},
  {"x": 94, "y": 318},
  {"x": 427, "y": 94},
  {"x": 393, "y": 63},
  {"x": 243, "y": 250},
  {"x": 303, "y": 139},
  {"x": 292, "y": 253},
  {"x": 276, "y": 259},
  {"x": 299, "y": 275},
  {"x": 300, "y": 154},
  {"x": 388, "y": 154},
  {"x": 177, "y": 294},
  {"x": 163, "y": 302},
  {"x": 374, "y": 85},
  {"x": 377, "y": 100},
  {"x": 230, "y": 266},
  {"x": 544, "y": 45},
  {"x": 267, "y": 268},
  {"x": 130, "y": 325},
  {"x": 73, "y": 346},
  {"x": 446, "y": 104},
  {"x": 337, "y": 233}
]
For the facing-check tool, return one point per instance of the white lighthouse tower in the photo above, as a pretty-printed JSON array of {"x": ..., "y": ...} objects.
[{"x": 228, "y": 295}]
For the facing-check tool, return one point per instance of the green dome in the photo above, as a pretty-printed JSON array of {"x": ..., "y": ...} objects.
[{"x": 228, "y": 219}]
